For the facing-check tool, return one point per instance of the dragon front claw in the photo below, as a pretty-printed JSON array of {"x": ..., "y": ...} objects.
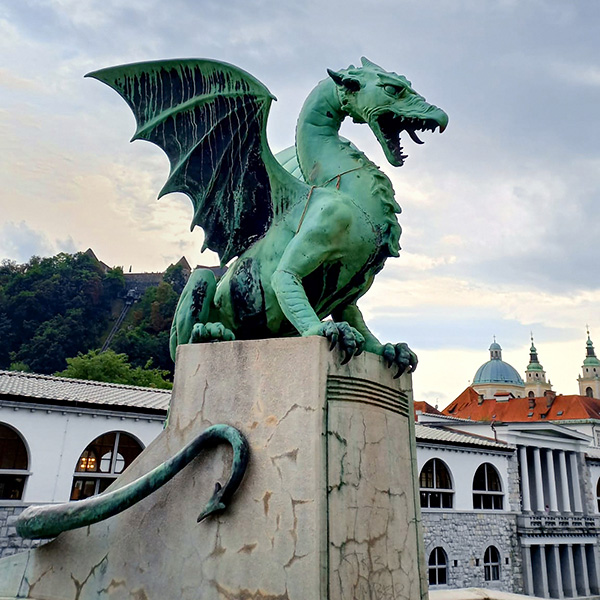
[
  {"x": 349, "y": 340},
  {"x": 210, "y": 332},
  {"x": 401, "y": 356}
]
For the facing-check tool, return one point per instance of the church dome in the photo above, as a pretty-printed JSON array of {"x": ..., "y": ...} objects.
[{"x": 496, "y": 370}]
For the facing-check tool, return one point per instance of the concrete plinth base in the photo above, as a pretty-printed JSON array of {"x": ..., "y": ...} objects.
[{"x": 327, "y": 509}]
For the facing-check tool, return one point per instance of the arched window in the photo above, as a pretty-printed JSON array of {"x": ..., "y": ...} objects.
[
  {"x": 13, "y": 464},
  {"x": 531, "y": 395},
  {"x": 438, "y": 567},
  {"x": 436, "y": 485},
  {"x": 589, "y": 392},
  {"x": 491, "y": 564},
  {"x": 487, "y": 489},
  {"x": 101, "y": 462}
]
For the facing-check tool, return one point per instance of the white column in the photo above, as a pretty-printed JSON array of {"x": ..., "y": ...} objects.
[
  {"x": 525, "y": 492},
  {"x": 551, "y": 481},
  {"x": 544, "y": 572},
  {"x": 570, "y": 584},
  {"x": 554, "y": 571},
  {"x": 575, "y": 483},
  {"x": 592, "y": 567},
  {"x": 595, "y": 560},
  {"x": 564, "y": 481},
  {"x": 539, "y": 483},
  {"x": 528, "y": 572},
  {"x": 581, "y": 572}
]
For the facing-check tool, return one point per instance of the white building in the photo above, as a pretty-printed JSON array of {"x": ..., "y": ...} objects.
[
  {"x": 542, "y": 512},
  {"x": 556, "y": 465},
  {"x": 64, "y": 439}
]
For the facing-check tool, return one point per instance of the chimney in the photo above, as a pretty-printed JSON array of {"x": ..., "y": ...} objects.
[
  {"x": 550, "y": 396},
  {"x": 480, "y": 399},
  {"x": 531, "y": 402}
]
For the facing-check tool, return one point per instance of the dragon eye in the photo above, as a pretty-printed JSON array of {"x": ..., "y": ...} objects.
[{"x": 393, "y": 90}]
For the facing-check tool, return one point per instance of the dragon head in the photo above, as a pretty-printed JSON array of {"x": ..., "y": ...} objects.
[{"x": 388, "y": 104}]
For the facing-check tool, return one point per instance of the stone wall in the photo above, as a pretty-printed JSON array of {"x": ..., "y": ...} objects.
[
  {"x": 590, "y": 472},
  {"x": 464, "y": 536},
  {"x": 514, "y": 484},
  {"x": 10, "y": 542}
]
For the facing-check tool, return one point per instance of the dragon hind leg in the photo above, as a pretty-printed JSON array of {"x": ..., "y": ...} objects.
[{"x": 192, "y": 312}]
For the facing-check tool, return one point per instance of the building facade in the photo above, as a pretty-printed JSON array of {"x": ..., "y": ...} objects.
[
  {"x": 64, "y": 439},
  {"x": 468, "y": 509},
  {"x": 556, "y": 461}
]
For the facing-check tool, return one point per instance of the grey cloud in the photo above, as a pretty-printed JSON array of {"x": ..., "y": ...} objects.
[
  {"x": 436, "y": 328},
  {"x": 19, "y": 242},
  {"x": 511, "y": 75}
]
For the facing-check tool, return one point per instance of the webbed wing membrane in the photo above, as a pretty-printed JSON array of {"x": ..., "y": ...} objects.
[{"x": 210, "y": 119}]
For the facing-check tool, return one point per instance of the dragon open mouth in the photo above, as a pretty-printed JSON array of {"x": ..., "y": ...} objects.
[{"x": 392, "y": 125}]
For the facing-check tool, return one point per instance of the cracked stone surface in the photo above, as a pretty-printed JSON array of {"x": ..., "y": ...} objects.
[
  {"x": 373, "y": 551},
  {"x": 326, "y": 510}
]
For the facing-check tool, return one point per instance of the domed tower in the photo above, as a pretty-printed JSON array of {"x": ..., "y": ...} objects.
[
  {"x": 496, "y": 378},
  {"x": 535, "y": 376},
  {"x": 589, "y": 382}
]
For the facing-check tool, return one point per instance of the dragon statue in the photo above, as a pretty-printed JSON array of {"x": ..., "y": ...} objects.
[{"x": 310, "y": 228}]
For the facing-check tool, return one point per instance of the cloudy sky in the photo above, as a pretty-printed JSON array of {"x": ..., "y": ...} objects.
[{"x": 500, "y": 213}]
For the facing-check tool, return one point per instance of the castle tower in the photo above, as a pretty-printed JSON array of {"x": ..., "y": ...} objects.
[
  {"x": 589, "y": 382},
  {"x": 535, "y": 376}
]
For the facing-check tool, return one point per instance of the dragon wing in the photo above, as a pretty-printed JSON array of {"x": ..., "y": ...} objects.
[{"x": 210, "y": 119}]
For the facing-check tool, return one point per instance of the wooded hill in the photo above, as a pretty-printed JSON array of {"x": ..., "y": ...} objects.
[{"x": 56, "y": 308}]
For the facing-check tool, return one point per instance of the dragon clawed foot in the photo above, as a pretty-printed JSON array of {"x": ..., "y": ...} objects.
[
  {"x": 401, "y": 356},
  {"x": 210, "y": 332},
  {"x": 349, "y": 340}
]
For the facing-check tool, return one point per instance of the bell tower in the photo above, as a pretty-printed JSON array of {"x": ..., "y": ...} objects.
[
  {"x": 535, "y": 376},
  {"x": 589, "y": 382}
]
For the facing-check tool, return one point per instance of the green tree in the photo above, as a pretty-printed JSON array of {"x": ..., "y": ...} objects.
[
  {"x": 113, "y": 368},
  {"x": 176, "y": 277},
  {"x": 53, "y": 308},
  {"x": 145, "y": 334}
]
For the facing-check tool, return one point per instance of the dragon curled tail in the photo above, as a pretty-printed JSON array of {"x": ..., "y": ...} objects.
[{"x": 49, "y": 521}]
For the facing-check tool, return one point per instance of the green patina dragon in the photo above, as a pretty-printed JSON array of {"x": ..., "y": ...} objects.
[
  {"x": 311, "y": 227},
  {"x": 309, "y": 235}
]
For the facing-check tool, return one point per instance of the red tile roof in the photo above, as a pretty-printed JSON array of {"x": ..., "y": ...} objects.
[
  {"x": 563, "y": 408},
  {"x": 425, "y": 408}
]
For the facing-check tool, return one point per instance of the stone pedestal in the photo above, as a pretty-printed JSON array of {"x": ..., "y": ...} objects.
[{"x": 327, "y": 510}]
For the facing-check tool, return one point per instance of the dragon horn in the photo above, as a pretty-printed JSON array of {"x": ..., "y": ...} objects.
[
  {"x": 343, "y": 80},
  {"x": 367, "y": 63}
]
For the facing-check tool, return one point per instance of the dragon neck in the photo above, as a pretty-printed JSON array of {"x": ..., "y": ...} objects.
[{"x": 323, "y": 156}]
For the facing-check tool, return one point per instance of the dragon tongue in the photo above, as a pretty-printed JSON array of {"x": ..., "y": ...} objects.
[{"x": 413, "y": 136}]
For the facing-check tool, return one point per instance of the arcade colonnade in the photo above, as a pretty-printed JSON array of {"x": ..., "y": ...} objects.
[
  {"x": 554, "y": 569},
  {"x": 563, "y": 562},
  {"x": 549, "y": 480}
]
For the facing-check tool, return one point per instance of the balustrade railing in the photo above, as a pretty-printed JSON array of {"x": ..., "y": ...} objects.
[{"x": 558, "y": 522}]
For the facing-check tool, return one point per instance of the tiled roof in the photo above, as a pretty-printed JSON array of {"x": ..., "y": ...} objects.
[
  {"x": 562, "y": 408},
  {"x": 61, "y": 390},
  {"x": 425, "y": 408},
  {"x": 449, "y": 436}
]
